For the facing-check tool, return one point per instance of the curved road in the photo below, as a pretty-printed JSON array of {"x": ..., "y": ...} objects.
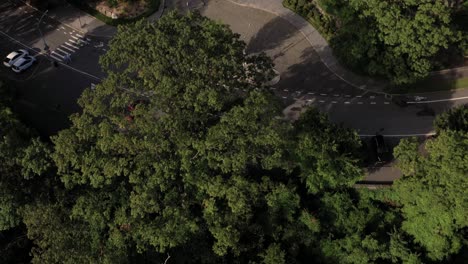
[{"x": 305, "y": 80}]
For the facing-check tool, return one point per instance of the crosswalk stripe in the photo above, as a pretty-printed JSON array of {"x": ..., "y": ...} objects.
[
  {"x": 81, "y": 36},
  {"x": 52, "y": 55},
  {"x": 63, "y": 51},
  {"x": 57, "y": 54},
  {"x": 73, "y": 41},
  {"x": 71, "y": 45},
  {"x": 75, "y": 37},
  {"x": 67, "y": 48}
]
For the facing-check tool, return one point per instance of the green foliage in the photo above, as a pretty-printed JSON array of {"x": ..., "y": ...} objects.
[
  {"x": 325, "y": 24},
  {"x": 455, "y": 119},
  {"x": 400, "y": 40},
  {"x": 326, "y": 153},
  {"x": 355, "y": 228},
  {"x": 433, "y": 193}
]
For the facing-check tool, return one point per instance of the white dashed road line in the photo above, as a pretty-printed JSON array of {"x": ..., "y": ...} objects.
[
  {"x": 373, "y": 103},
  {"x": 347, "y": 102}
]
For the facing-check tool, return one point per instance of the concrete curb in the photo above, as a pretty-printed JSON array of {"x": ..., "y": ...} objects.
[
  {"x": 159, "y": 13},
  {"x": 322, "y": 48}
]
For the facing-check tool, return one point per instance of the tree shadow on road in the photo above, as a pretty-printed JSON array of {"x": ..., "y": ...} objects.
[{"x": 271, "y": 35}]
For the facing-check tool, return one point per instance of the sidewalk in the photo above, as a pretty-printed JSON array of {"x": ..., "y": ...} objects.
[
  {"x": 81, "y": 21},
  {"x": 316, "y": 41}
]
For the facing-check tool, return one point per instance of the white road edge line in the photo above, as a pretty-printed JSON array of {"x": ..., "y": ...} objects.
[
  {"x": 402, "y": 135},
  {"x": 441, "y": 100}
]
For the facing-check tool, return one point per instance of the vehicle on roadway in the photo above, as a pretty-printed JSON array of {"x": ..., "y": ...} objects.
[
  {"x": 380, "y": 148},
  {"x": 14, "y": 56},
  {"x": 23, "y": 63}
]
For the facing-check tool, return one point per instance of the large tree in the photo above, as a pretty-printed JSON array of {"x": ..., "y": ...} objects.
[
  {"x": 433, "y": 192},
  {"x": 399, "y": 39}
]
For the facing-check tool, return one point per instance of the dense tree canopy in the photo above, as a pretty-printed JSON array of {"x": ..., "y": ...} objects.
[
  {"x": 433, "y": 192},
  {"x": 181, "y": 154},
  {"x": 402, "y": 40}
]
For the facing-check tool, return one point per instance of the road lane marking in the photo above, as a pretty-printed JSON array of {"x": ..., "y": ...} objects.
[
  {"x": 310, "y": 93},
  {"x": 336, "y": 95},
  {"x": 386, "y": 102},
  {"x": 57, "y": 54},
  {"x": 347, "y": 102},
  {"x": 61, "y": 50},
  {"x": 67, "y": 48},
  {"x": 71, "y": 45},
  {"x": 358, "y": 96},
  {"x": 56, "y": 58},
  {"x": 334, "y": 102},
  {"x": 321, "y": 101},
  {"x": 286, "y": 90},
  {"x": 372, "y": 103},
  {"x": 359, "y": 103},
  {"x": 401, "y": 135},
  {"x": 440, "y": 100},
  {"x": 79, "y": 35}
]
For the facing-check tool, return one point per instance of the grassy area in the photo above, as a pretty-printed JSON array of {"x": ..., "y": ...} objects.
[
  {"x": 432, "y": 85},
  {"x": 153, "y": 7}
]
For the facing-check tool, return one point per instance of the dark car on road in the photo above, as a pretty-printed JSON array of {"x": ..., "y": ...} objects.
[{"x": 380, "y": 148}]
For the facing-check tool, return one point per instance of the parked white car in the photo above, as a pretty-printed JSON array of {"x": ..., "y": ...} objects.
[
  {"x": 23, "y": 63},
  {"x": 14, "y": 56}
]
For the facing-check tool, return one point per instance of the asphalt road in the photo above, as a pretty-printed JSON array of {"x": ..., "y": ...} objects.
[
  {"x": 46, "y": 94},
  {"x": 306, "y": 81}
]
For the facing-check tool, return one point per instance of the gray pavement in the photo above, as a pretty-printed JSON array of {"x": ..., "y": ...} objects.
[{"x": 47, "y": 95}]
